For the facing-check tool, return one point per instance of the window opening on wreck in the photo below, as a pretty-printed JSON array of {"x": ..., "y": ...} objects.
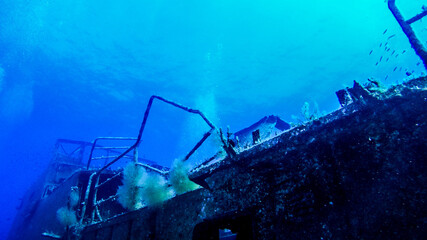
[
  {"x": 227, "y": 234},
  {"x": 225, "y": 228}
]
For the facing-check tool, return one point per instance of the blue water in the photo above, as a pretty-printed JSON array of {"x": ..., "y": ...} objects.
[{"x": 81, "y": 69}]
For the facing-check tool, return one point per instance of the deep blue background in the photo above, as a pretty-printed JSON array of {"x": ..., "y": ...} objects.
[{"x": 80, "y": 69}]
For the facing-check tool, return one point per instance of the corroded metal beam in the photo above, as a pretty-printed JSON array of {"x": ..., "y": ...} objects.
[{"x": 409, "y": 32}]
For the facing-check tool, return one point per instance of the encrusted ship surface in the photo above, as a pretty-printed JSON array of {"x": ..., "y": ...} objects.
[{"x": 356, "y": 173}]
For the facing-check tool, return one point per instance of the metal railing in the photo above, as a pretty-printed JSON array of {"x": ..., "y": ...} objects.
[
  {"x": 107, "y": 150},
  {"x": 71, "y": 149},
  {"x": 67, "y": 159},
  {"x": 96, "y": 203},
  {"x": 141, "y": 130}
]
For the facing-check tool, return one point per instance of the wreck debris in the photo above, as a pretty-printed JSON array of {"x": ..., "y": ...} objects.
[{"x": 409, "y": 32}]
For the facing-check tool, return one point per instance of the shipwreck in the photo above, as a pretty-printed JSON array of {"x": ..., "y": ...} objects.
[{"x": 356, "y": 173}]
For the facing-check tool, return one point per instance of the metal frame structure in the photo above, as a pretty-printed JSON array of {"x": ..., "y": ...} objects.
[
  {"x": 68, "y": 154},
  {"x": 108, "y": 149},
  {"x": 139, "y": 138},
  {"x": 78, "y": 151},
  {"x": 416, "y": 44},
  {"x": 134, "y": 147}
]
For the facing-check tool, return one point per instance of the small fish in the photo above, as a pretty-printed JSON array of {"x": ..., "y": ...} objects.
[
  {"x": 376, "y": 64},
  {"x": 381, "y": 44},
  {"x": 408, "y": 73},
  {"x": 404, "y": 51},
  {"x": 400, "y": 69},
  {"x": 386, "y": 77},
  {"x": 388, "y": 49},
  {"x": 391, "y": 36},
  {"x": 397, "y": 55},
  {"x": 381, "y": 58},
  {"x": 385, "y": 31},
  {"x": 393, "y": 52},
  {"x": 387, "y": 60},
  {"x": 394, "y": 69},
  {"x": 371, "y": 52},
  {"x": 418, "y": 63}
]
